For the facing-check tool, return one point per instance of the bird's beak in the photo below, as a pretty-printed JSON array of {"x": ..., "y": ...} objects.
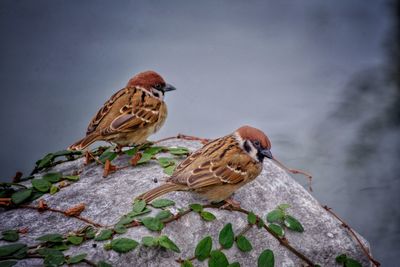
[
  {"x": 168, "y": 87},
  {"x": 267, "y": 153}
]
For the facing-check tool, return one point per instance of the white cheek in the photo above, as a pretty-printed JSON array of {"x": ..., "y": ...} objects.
[{"x": 253, "y": 150}]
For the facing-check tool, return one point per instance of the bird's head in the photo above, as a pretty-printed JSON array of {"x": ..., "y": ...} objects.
[
  {"x": 152, "y": 82},
  {"x": 254, "y": 142}
]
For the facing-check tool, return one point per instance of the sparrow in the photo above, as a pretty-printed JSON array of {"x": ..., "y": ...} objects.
[
  {"x": 131, "y": 114},
  {"x": 220, "y": 167}
]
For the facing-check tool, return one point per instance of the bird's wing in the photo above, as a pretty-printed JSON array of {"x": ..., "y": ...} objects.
[{"x": 219, "y": 162}]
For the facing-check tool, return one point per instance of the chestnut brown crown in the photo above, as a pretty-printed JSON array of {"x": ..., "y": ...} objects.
[
  {"x": 254, "y": 134},
  {"x": 147, "y": 80}
]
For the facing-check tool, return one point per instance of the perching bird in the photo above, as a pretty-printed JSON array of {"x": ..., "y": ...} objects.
[
  {"x": 220, "y": 167},
  {"x": 130, "y": 115}
]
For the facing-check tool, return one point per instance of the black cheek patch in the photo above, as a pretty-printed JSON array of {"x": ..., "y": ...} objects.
[
  {"x": 260, "y": 156},
  {"x": 156, "y": 94},
  {"x": 246, "y": 146}
]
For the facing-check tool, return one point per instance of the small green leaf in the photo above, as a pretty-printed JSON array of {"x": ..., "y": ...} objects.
[
  {"x": 207, "y": 216},
  {"x": 226, "y": 236},
  {"x": 187, "y": 263},
  {"x": 107, "y": 155},
  {"x": 123, "y": 245},
  {"x": 72, "y": 178},
  {"x": 152, "y": 223},
  {"x": 60, "y": 246},
  {"x": 352, "y": 263},
  {"x": 120, "y": 229},
  {"x": 21, "y": 195},
  {"x": 178, "y": 151},
  {"x": 53, "y": 260},
  {"x": 11, "y": 249},
  {"x": 45, "y": 161},
  {"x": 53, "y": 238},
  {"x": 169, "y": 170},
  {"x": 164, "y": 214},
  {"x": 75, "y": 240},
  {"x": 154, "y": 150},
  {"x": 217, "y": 259},
  {"x": 53, "y": 189},
  {"x": 103, "y": 264},
  {"x": 243, "y": 244},
  {"x": 260, "y": 223},
  {"x": 165, "y": 162},
  {"x": 49, "y": 251},
  {"x": 203, "y": 248},
  {"x": 10, "y": 235},
  {"x": 234, "y": 264},
  {"x": 77, "y": 258},
  {"x": 167, "y": 243},
  {"x": 90, "y": 233},
  {"x": 275, "y": 216},
  {"x": 131, "y": 152},
  {"x": 266, "y": 259},
  {"x": 149, "y": 241},
  {"x": 341, "y": 258},
  {"x": 283, "y": 207},
  {"x": 161, "y": 203},
  {"x": 196, "y": 207},
  {"x": 293, "y": 224},
  {"x": 52, "y": 177},
  {"x": 138, "y": 206},
  {"x": 104, "y": 235},
  {"x": 35, "y": 195},
  {"x": 41, "y": 185},
  {"x": 277, "y": 229},
  {"x": 7, "y": 263},
  {"x": 251, "y": 218},
  {"x": 145, "y": 158}
]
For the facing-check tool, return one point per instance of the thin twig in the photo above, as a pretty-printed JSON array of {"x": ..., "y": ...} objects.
[
  {"x": 346, "y": 226},
  {"x": 62, "y": 212}
]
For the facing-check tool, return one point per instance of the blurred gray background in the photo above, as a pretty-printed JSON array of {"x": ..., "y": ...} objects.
[{"x": 321, "y": 78}]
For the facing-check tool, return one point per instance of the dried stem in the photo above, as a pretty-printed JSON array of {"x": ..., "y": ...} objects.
[
  {"x": 346, "y": 226},
  {"x": 296, "y": 171}
]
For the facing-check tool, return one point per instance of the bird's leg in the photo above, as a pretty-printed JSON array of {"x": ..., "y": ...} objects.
[
  {"x": 296, "y": 171},
  {"x": 230, "y": 203}
]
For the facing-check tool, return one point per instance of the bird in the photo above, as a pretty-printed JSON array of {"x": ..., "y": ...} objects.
[
  {"x": 131, "y": 115},
  {"x": 220, "y": 167}
]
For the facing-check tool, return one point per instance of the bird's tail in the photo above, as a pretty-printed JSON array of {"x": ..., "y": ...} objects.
[
  {"x": 84, "y": 142},
  {"x": 161, "y": 190}
]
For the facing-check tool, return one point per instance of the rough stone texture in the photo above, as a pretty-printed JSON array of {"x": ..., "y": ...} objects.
[{"x": 108, "y": 198}]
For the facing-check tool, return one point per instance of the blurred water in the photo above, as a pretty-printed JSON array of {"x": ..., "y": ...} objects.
[{"x": 315, "y": 75}]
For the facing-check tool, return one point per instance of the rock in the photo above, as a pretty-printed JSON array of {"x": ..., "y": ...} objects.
[{"x": 107, "y": 199}]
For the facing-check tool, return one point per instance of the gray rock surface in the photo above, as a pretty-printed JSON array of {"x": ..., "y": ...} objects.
[{"x": 106, "y": 199}]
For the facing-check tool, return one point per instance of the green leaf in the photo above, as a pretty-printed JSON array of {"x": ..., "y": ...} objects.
[
  {"x": 145, "y": 158},
  {"x": 138, "y": 205},
  {"x": 123, "y": 245},
  {"x": 165, "y": 162},
  {"x": 266, "y": 259},
  {"x": 277, "y": 229},
  {"x": 251, "y": 218},
  {"x": 107, "y": 155},
  {"x": 293, "y": 224},
  {"x": 53, "y": 238},
  {"x": 341, "y": 258},
  {"x": 66, "y": 153},
  {"x": 53, "y": 189},
  {"x": 275, "y": 216},
  {"x": 178, "y": 151},
  {"x": 260, "y": 223},
  {"x": 164, "y": 214},
  {"x": 41, "y": 185},
  {"x": 7, "y": 263},
  {"x": 217, "y": 259},
  {"x": 120, "y": 229},
  {"x": 161, "y": 203},
  {"x": 52, "y": 177},
  {"x": 130, "y": 217},
  {"x": 49, "y": 251},
  {"x": 10, "y": 235},
  {"x": 60, "y": 246},
  {"x": 131, "y": 152},
  {"x": 283, "y": 207},
  {"x": 243, "y": 244},
  {"x": 226, "y": 236},
  {"x": 77, "y": 258},
  {"x": 45, "y": 161},
  {"x": 8, "y": 250},
  {"x": 187, "y": 263},
  {"x": 104, "y": 235},
  {"x": 72, "y": 178},
  {"x": 35, "y": 195},
  {"x": 169, "y": 170},
  {"x": 352, "y": 263},
  {"x": 149, "y": 241},
  {"x": 154, "y": 150},
  {"x": 234, "y": 264},
  {"x": 103, "y": 264},
  {"x": 152, "y": 223},
  {"x": 203, "y": 248},
  {"x": 53, "y": 260},
  {"x": 75, "y": 240},
  {"x": 21, "y": 195},
  {"x": 90, "y": 232},
  {"x": 196, "y": 207},
  {"x": 207, "y": 216},
  {"x": 167, "y": 243}
]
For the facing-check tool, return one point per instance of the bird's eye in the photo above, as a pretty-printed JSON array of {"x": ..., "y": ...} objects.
[
  {"x": 256, "y": 143},
  {"x": 158, "y": 86}
]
